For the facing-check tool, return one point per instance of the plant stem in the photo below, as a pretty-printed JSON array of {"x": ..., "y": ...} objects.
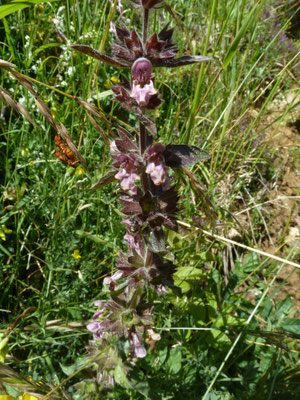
[
  {"x": 142, "y": 142},
  {"x": 145, "y": 25}
]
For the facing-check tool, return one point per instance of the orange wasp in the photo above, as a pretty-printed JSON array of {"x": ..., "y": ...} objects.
[{"x": 63, "y": 153}]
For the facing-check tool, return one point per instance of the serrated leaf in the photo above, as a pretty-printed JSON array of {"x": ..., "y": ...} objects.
[{"x": 283, "y": 307}]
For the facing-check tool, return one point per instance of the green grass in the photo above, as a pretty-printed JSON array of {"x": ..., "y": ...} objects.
[{"x": 48, "y": 215}]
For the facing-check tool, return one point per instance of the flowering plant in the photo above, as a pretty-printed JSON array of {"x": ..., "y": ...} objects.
[
  {"x": 122, "y": 326},
  {"x": 149, "y": 197}
]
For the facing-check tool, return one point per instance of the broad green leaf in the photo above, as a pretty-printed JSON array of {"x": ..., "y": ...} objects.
[
  {"x": 217, "y": 338},
  {"x": 174, "y": 360},
  {"x": 120, "y": 376},
  {"x": 291, "y": 325},
  {"x": 17, "y": 5},
  {"x": 189, "y": 272}
]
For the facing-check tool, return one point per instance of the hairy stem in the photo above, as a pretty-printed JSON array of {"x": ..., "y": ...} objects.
[
  {"x": 143, "y": 144},
  {"x": 145, "y": 25}
]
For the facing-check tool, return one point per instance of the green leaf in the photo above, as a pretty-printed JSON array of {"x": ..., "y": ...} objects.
[
  {"x": 251, "y": 263},
  {"x": 283, "y": 308},
  {"x": 70, "y": 369},
  {"x": 291, "y": 325},
  {"x": 174, "y": 360},
  {"x": 120, "y": 376},
  {"x": 17, "y": 5},
  {"x": 189, "y": 272}
]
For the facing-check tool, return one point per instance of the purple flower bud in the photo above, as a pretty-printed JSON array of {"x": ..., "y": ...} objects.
[
  {"x": 141, "y": 71},
  {"x": 138, "y": 350}
]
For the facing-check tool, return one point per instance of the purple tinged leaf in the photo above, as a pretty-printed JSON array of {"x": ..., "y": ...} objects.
[
  {"x": 147, "y": 122},
  {"x": 123, "y": 53},
  {"x": 100, "y": 56},
  {"x": 125, "y": 144},
  {"x": 122, "y": 33},
  {"x": 178, "y": 156},
  {"x": 130, "y": 206},
  {"x": 166, "y": 35}
]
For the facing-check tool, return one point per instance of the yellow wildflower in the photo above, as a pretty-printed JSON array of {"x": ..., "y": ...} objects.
[
  {"x": 76, "y": 255},
  {"x": 79, "y": 171},
  {"x": 3, "y": 232}
]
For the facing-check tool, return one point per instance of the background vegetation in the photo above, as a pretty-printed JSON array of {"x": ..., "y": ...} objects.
[{"x": 234, "y": 333}]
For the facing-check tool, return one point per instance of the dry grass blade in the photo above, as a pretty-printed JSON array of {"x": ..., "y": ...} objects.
[
  {"x": 10, "y": 377},
  {"x": 41, "y": 105},
  {"x": 60, "y": 325},
  {"x": 6, "y": 64},
  {"x": 92, "y": 110},
  {"x": 45, "y": 111},
  {"x": 5, "y": 96},
  {"x": 99, "y": 129}
]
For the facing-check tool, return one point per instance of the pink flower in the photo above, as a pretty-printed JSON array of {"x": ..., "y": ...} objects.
[
  {"x": 156, "y": 166},
  {"x": 143, "y": 93},
  {"x": 157, "y": 172},
  {"x": 127, "y": 173}
]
